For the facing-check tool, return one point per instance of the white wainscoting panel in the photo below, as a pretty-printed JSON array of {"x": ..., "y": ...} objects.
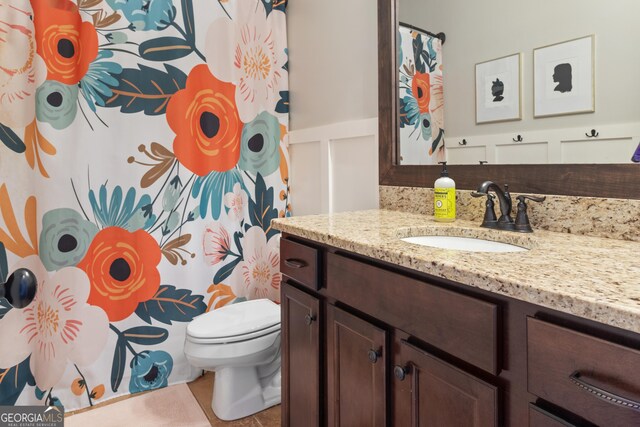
[
  {"x": 522, "y": 153},
  {"x": 598, "y": 150},
  {"x": 306, "y": 178},
  {"x": 334, "y": 168},
  {"x": 354, "y": 173},
  {"x": 615, "y": 143},
  {"x": 463, "y": 155}
]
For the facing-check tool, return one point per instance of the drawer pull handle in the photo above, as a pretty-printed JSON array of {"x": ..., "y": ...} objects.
[
  {"x": 400, "y": 372},
  {"x": 309, "y": 319},
  {"x": 373, "y": 356},
  {"x": 603, "y": 394},
  {"x": 295, "y": 263}
]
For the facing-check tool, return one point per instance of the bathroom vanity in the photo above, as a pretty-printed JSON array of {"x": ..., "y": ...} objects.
[{"x": 378, "y": 331}]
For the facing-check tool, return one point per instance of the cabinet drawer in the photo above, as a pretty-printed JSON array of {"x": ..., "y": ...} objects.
[
  {"x": 299, "y": 262},
  {"x": 462, "y": 326},
  {"x": 538, "y": 417},
  {"x": 593, "y": 378}
]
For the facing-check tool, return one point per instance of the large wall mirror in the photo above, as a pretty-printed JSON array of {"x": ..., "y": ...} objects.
[{"x": 564, "y": 123}]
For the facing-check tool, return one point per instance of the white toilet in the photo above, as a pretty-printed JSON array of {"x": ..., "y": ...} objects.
[{"x": 241, "y": 343}]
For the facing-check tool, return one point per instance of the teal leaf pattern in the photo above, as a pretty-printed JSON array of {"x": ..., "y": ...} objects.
[
  {"x": 13, "y": 380},
  {"x": 212, "y": 188},
  {"x": 282, "y": 106},
  {"x": 271, "y": 5},
  {"x": 146, "y": 15},
  {"x": 11, "y": 140},
  {"x": 225, "y": 271},
  {"x": 188, "y": 19},
  {"x": 418, "y": 47},
  {"x": 4, "y": 268},
  {"x": 261, "y": 210},
  {"x": 145, "y": 89},
  {"x": 117, "y": 212},
  {"x": 40, "y": 393},
  {"x": 97, "y": 84},
  {"x": 164, "y": 49},
  {"x": 145, "y": 335},
  {"x": 171, "y": 305},
  {"x": 119, "y": 363}
]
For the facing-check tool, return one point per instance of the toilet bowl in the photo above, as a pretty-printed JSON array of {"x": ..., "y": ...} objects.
[{"x": 241, "y": 343}]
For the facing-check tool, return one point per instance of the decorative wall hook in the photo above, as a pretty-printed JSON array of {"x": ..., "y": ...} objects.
[
  {"x": 518, "y": 139},
  {"x": 593, "y": 134},
  {"x": 463, "y": 142}
]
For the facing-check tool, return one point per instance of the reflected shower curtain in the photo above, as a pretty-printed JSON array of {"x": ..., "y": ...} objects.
[
  {"x": 421, "y": 102},
  {"x": 143, "y": 155}
]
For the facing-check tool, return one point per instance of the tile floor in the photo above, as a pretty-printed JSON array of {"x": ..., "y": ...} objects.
[{"x": 202, "y": 389}]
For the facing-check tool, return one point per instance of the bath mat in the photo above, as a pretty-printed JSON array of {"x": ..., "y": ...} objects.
[{"x": 173, "y": 406}]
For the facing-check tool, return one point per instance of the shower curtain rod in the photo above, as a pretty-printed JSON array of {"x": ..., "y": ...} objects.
[{"x": 440, "y": 36}]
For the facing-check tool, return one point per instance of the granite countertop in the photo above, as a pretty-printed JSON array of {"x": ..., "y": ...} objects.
[{"x": 590, "y": 277}]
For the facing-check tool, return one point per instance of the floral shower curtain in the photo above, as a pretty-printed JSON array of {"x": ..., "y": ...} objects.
[
  {"x": 143, "y": 155},
  {"x": 421, "y": 97}
]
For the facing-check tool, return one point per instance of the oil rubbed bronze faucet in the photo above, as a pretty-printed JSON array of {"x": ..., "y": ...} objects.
[{"x": 505, "y": 222}]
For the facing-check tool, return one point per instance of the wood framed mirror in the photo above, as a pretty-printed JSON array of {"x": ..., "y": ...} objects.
[{"x": 596, "y": 180}]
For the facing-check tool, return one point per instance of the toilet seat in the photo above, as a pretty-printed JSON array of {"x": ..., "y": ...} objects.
[
  {"x": 236, "y": 322},
  {"x": 235, "y": 338}
]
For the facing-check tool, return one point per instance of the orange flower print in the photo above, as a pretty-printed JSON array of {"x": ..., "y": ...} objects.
[
  {"x": 122, "y": 268},
  {"x": 205, "y": 120},
  {"x": 421, "y": 89},
  {"x": 64, "y": 41}
]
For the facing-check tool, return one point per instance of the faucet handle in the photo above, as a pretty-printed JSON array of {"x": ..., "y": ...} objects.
[
  {"x": 490, "y": 220},
  {"x": 522, "y": 218},
  {"x": 524, "y": 197}
]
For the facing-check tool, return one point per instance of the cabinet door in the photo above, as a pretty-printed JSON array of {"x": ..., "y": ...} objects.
[
  {"x": 429, "y": 392},
  {"x": 356, "y": 372},
  {"x": 300, "y": 358}
]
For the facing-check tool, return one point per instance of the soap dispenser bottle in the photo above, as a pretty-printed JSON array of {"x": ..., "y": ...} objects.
[{"x": 444, "y": 198}]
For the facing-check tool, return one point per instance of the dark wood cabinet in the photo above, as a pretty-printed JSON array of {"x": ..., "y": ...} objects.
[
  {"x": 594, "y": 378},
  {"x": 367, "y": 343},
  {"x": 300, "y": 357},
  {"x": 356, "y": 371},
  {"x": 428, "y": 392},
  {"x": 539, "y": 417}
]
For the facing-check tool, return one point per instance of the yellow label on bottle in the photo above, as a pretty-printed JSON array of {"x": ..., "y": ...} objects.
[{"x": 445, "y": 203}]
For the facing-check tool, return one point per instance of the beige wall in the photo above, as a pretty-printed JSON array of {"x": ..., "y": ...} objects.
[
  {"x": 333, "y": 75},
  {"x": 478, "y": 31}
]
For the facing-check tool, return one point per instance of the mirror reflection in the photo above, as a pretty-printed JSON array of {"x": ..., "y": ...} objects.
[{"x": 517, "y": 82}]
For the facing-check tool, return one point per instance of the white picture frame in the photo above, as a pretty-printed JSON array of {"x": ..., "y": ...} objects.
[
  {"x": 564, "y": 78},
  {"x": 499, "y": 89}
]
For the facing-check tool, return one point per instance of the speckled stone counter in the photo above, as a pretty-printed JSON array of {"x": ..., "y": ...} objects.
[{"x": 590, "y": 277}]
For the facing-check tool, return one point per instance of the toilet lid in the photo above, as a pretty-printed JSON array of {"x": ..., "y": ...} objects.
[{"x": 237, "y": 320}]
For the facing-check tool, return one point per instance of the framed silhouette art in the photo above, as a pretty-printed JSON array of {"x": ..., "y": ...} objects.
[
  {"x": 564, "y": 78},
  {"x": 499, "y": 89}
]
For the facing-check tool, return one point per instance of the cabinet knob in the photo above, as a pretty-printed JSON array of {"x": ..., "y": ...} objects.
[
  {"x": 400, "y": 372},
  {"x": 309, "y": 318},
  {"x": 373, "y": 356}
]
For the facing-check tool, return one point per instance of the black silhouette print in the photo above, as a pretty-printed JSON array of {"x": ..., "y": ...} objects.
[
  {"x": 562, "y": 76},
  {"x": 497, "y": 89}
]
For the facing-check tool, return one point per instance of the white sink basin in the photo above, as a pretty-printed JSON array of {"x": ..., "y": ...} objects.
[{"x": 463, "y": 244}]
